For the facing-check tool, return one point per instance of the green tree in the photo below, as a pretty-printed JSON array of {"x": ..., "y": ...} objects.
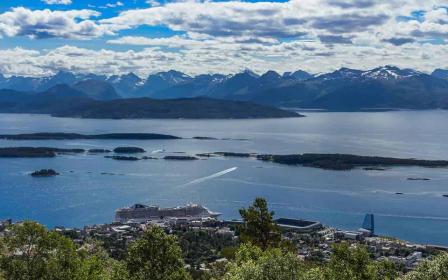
[
  {"x": 355, "y": 264},
  {"x": 258, "y": 225},
  {"x": 156, "y": 256},
  {"x": 252, "y": 263},
  {"x": 31, "y": 252},
  {"x": 97, "y": 265},
  {"x": 437, "y": 269}
]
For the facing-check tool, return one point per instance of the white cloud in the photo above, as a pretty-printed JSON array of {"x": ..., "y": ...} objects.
[
  {"x": 57, "y": 2},
  {"x": 112, "y": 5},
  {"x": 225, "y": 36},
  {"x": 153, "y": 3},
  {"x": 215, "y": 57},
  {"x": 331, "y": 20},
  {"x": 46, "y": 23}
]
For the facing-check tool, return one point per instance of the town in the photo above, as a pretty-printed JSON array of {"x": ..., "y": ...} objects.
[{"x": 205, "y": 240}]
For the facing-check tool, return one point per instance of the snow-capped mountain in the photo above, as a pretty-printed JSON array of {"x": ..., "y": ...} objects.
[
  {"x": 390, "y": 73},
  {"x": 343, "y": 89}
]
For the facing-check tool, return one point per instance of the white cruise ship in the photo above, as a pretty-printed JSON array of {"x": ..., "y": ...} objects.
[{"x": 142, "y": 213}]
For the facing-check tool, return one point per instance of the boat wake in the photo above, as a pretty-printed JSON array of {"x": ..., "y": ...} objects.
[{"x": 203, "y": 179}]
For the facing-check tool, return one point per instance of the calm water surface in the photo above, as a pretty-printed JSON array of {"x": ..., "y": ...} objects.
[{"x": 91, "y": 187}]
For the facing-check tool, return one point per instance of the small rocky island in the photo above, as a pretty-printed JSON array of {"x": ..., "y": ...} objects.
[
  {"x": 99, "y": 151},
  {"x": 128, "y": 150},
  {"x": 418, "y": 179},
  {"x": 180, "y": 158},
  {"x": 44, "y": 173},
  {"x": 125, "y": 158}
]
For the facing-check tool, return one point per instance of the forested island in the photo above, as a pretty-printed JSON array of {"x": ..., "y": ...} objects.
[
  {"x": 334, "y": 161},
  {"x": 44, "y": 173},
  {"x": 347, "y": 161},
  {"x": 129, "y": 150},
  {"x": 33, "y": 152},
  {"x": 77, "y": 136}
]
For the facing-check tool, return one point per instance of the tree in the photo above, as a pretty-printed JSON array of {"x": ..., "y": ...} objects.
[
  {"x": 252, "y": 263},
  {"x": 31, "y": 252},
  {"x": 156, "y": 256},
  {"x": 258, "y": 225},
  {"x": 97, "y": 265},
  {"x": 355, "y": 264},
  {"x": 437, "y": 269}
]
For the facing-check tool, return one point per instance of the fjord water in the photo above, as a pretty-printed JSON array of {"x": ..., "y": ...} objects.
[{"x": 91, "y": 187}]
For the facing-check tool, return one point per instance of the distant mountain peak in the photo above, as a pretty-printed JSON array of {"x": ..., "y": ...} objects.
[
  {"x": 390, "y": 72},
  {"x": 342, "y": 73},
  {"x": 270, "y": 75},
  {"x": 174, "y": 77},
  {"x": 299, "y": 75},
  {"x": 131, "y": 75},
  {"x": 249, "y": 72},
  {"x": 440, "y": 73}
]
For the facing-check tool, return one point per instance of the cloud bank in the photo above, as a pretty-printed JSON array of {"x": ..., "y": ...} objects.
[{"x": 226, "y": 36}]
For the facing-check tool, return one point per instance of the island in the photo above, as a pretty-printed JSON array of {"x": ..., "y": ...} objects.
[
  {"x": 44, "y": 173},
  {"x": 99, "y": 151},
  {"x": 347, "y": 161},
  {"x": 233, "y": 154},
  {"x": 77, "y": 136},
  {"x": 128, "y": 150},
  {"x": 146, "y": 158},
  {"x": 204, "y": 138},
  {"x": 32, "y": 152},
  {"x": 180, "y": 158},
  {"x": 125, "y": 158},
  {"x": 374, "y": 168},
  {"x": 418, "y": 179},
  {"x": 182, "y": 108},
  {"x": 336, "y": 161},
  {"x": 207, "y": 155}
]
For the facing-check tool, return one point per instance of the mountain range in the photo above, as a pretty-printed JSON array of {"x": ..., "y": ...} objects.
[{"x": 386, "y": 87}]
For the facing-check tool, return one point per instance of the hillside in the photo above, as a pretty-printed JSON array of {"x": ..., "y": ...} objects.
[
  {"x": 187, "y": 108},
  {"x": 64, "y": 101}
]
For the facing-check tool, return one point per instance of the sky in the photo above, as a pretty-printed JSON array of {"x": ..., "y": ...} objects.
[{"x": 41, "y": 37}]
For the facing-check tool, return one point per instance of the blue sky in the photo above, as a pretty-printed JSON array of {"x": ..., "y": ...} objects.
[{"x": 40, "y": 37}]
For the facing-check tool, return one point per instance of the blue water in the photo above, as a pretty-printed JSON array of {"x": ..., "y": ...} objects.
[{"x": 82, "y": 194}]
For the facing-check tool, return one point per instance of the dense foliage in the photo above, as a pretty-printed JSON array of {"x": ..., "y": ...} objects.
[
  {"x": 30, "y": 252},
  {"x": 156, "y": 256},
  {"x": 430, "y": 270}
]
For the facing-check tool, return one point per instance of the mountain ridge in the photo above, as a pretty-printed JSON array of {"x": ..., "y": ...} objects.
[{"x": 343, "y": 89}]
